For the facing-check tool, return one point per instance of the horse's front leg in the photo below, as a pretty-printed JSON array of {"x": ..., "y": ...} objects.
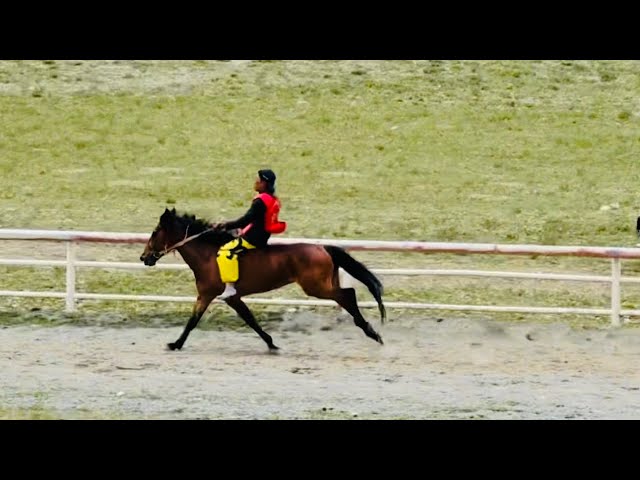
[
  {"x": 199, "y": 308},
  {"x": 241, "y": 309}
]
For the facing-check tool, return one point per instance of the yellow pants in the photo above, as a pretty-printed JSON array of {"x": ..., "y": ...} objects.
[{"x": 228, "y": 259}]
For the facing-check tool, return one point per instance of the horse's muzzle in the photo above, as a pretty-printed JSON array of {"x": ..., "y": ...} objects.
[{"x": 149, "y": 260}]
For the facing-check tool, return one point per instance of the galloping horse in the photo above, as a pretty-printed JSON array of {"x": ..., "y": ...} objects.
[{"x": 313, "y": 267}]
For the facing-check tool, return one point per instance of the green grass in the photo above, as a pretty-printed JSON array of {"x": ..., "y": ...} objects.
[
  {"x": 38, "y": 410},
  {"x": 452, "y": 151},
  {"x": 43, "y": 413},
  {"x": 28, "y": 414}
]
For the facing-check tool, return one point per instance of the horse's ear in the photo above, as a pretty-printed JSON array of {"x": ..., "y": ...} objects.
[
  {"x": 164, "y": 217},
  {"x": 173, "y": 210}
]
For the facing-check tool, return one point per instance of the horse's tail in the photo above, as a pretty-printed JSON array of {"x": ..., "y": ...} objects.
[{"x": 360, "y": 272}]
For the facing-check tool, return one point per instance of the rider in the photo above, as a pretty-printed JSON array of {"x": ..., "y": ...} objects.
[{"x": 260, "y": 221}]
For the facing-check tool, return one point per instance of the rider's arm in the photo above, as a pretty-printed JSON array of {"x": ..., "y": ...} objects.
[{"x": 256, "y": 210}]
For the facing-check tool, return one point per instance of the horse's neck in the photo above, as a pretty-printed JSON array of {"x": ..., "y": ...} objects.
[{"x": 195, "y": 255}]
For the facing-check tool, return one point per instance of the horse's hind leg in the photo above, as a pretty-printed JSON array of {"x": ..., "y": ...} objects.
[
  {"x": 198, "y": 310},
  {"x": 346, "y": 298},
  {"x": 241, "y": 309}
]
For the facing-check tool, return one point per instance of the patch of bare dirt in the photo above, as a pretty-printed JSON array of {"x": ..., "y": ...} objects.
[{"x": 427, "y": 369}]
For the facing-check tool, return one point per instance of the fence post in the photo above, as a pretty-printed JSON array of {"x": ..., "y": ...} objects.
[
  {"x": 616, "y": 273},
  {"x": 70, "y": 304}
]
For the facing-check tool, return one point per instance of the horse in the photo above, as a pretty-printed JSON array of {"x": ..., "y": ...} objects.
[{"x": 313, "y": 267}]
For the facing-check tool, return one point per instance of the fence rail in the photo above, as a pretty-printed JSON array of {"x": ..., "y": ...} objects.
[{"x": 71, "y": 238}]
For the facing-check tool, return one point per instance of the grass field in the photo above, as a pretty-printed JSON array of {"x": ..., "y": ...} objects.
[{"x": 539, "y": 152}]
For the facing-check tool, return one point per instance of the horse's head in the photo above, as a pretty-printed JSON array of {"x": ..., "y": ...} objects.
[
  {"x": 164, "y": 236},
  {"x": 177, "y": 231}
]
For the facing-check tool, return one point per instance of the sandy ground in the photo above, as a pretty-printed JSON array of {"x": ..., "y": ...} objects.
[{"x": 428, "y": 369}]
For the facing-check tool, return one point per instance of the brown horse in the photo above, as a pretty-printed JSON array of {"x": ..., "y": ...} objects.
[{"x": 313, "y": 267}]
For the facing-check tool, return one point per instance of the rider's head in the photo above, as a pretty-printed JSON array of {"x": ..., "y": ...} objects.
[{"x": 265, "y": 182}]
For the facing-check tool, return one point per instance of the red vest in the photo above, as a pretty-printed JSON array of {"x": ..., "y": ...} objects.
[{"x": 271, "y": 222}]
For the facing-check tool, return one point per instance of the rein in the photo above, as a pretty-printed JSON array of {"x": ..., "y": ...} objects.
[{"x": 186, "y": 239}]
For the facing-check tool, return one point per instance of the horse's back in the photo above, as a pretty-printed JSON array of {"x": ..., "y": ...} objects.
[
  {"x": 296, "y": 246},
  {"x": 300, "y": 250},
  {"x": 294, "y": 255}
]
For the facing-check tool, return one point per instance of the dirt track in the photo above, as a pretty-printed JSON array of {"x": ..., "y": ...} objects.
[{"x": 326, "y": 369}]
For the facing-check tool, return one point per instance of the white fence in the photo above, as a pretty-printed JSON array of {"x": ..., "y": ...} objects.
[{"x": 71, "y": 238}]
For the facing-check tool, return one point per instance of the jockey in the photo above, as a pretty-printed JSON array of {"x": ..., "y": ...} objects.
[{"x": 260, "y": 221}]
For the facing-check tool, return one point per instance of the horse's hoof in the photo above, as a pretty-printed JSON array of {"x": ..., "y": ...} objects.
[
  {"x": 173, "y": 346},
  {"x": 273, "y": 348}
]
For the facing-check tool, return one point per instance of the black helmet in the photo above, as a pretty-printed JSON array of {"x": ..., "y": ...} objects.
[{"x": 267, "y": 175}]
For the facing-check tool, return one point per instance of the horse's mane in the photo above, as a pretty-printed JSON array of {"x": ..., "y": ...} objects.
[{"x": 198, "y": 225}]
